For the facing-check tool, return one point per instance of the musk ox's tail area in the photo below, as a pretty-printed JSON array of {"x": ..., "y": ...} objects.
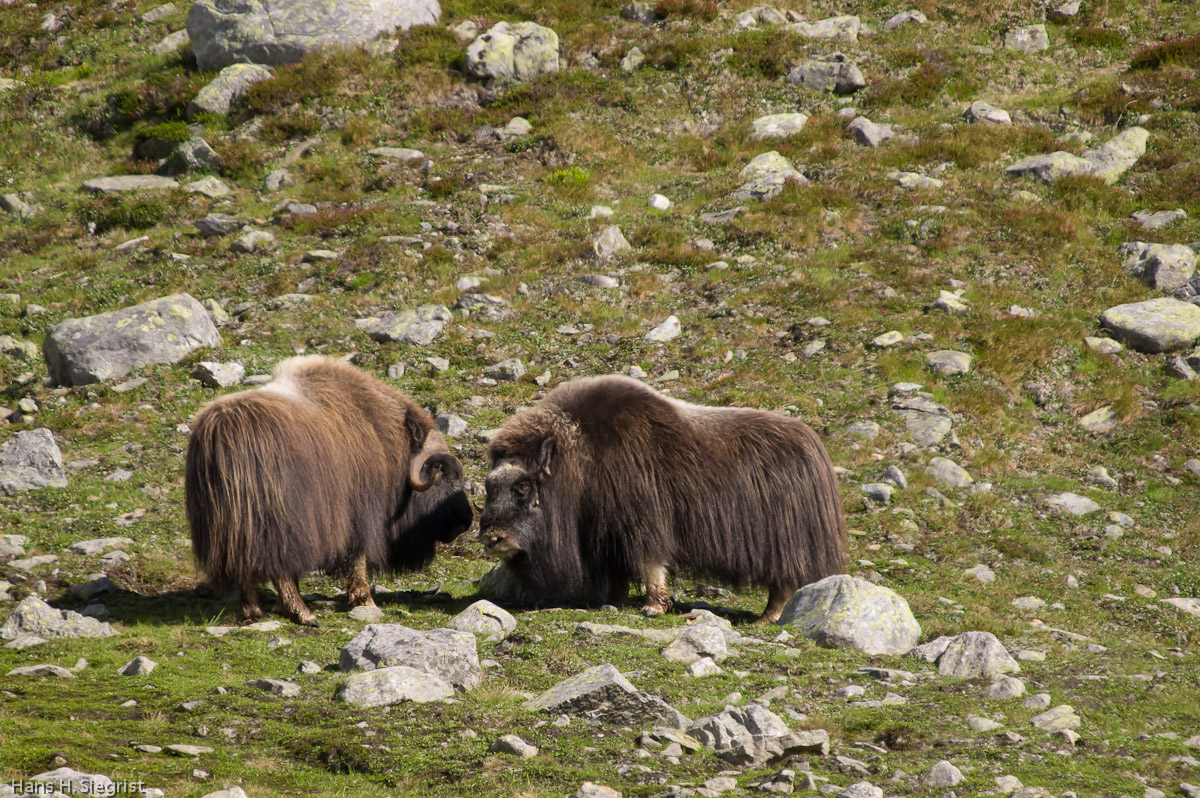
[{"x": 261, "y": 492}]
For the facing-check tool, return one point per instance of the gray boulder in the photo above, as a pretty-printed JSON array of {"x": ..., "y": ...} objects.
[
  {"x": 35, "y": 617},
  {"x": 447, "y": 653},
  {"x": 846, "y": 612},
  {"x": 193, "y": 154},
  {"x": 610, "y": 243},
  {"x": 513, "y": 52},
  {"x": 225, "y": 32},
  {"x": 912, "y": 17},
  {"x": 72, "y": 781},
  {"x": 868, "y": 133},
  {"x": 777, "y": 126},
  {"x": 697, "y": 642},
  {"x": 1147, "y": 220},
  {"x": 418, "y": 327},
  {"x": 31, "y": 459},
  {"x": 1029, "y": 39},
  {"x": 833, "y": 73},
  {"x": 972, "y": 655},
  {"x": 219, "y": 375},
  {"x": 486, "y": 619},
  {"x": 111, "y": 345},
  {"x": 981, "y": 111},
  {"x": 1107, "y": 162},
  {"x": 1161, "y": 266},
  {"x": 140, "y": 666},
  {"x": 603, "y": 693},
  {"x": 765, "y": 177},
  {"x": 387, "y": 686},
  {"x": 948, "y": 362},
  {"x": 1156, "y": 325},
  {"x": 230, "y": 84},
  {"x": 753, "y": 736}
]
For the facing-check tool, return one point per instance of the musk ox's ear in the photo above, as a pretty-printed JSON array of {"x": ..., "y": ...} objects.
[
  {"x": 415, "y": 431},
  {"x": 545, "y": 455}
]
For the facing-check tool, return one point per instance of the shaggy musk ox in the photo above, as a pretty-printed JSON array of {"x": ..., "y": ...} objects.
[
  {"x": 323, "y": 468},
  {"x": 606, "y": 481}
]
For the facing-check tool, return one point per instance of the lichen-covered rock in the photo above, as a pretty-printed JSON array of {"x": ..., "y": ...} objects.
[
  {"x": 418, "y": 327},
  {"x": 972, "y": 655},
  {"x": 1029, "y": 39},
  {"x": 843, "y": 27},
  {"x": 833, "y": 73},
  {"x": 225, "y": 32},
  {"x": 448, "y": 653},
  {"x": 765, "y": 177},
  {"x": 67, "y": 780},
  {"x": 846, "y": 612},
  {"x": 122, "y": 183},
  {"x": 1051, "y": 166},
  {"x": 1156, "y": 325},
  {"x": 31, "y": 459},
  {"x": 1057, "y": 719},
  {"x": 513, "y": 52},
  {"x": 777, "y": 126},
  {"x": 35, "y": 617},
  {"x": 609, "y": 243},
  {"x": 752, "y": 736},
  {"x": 983, "y": 111},
  {"x": 603, "y": 693},
  {"x": 110, "y": 345},
  {"x": 1107, "y": 162},
  {"x": 230, "y": 84},
  {"x": 486, "y": 619},
  {"x": 386, "y": 686}
]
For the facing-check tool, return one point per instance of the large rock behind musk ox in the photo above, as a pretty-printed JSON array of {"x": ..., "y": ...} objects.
[
  {"x": 225, "y": 32},
  {"x": 110, "y": 345},
  {"x": 846, "y": 612}
]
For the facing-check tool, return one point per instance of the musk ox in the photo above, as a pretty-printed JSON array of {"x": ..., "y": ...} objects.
[
  {"x": 606, "y": 481},
  {"x": 323, "y": 468}
]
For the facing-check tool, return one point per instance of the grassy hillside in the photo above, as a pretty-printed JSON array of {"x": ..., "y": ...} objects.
[{"x": 852, "y": 248}]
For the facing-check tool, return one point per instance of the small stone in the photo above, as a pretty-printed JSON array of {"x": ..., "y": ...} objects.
[
  {"x": 1029, "y": 39},
  {"x": 985, "y": 112},
  {"x": 367, "y": 613},
  {"x": 777, "y": 126},
  {"x": 948, "y": 362},
  {"x": 1052, "y": 720},
  {"x": 253, "y": 241},
  {"x": 138, "y": 667},
  {"x": 982, "y": 573},
  {"x": 276, "y": 687},
  {"x": 658, "y": 202},
  {"x": 506, "y": 370},
  {"x": 943, "y": 774},
  {"x": 181, "y": 749},
  {"x": 1071, "y": 503},
  {"x": 668, "y": 331},
  {"x": 1099, "y": 421},
  {"x": 1004, "y": 689},
  {"x": 610, "y": 243},
  {"x": 401, "y": 155},
  {"x": 514, "y": 745},
  {"x": 879, "y": 492},
  {"x": 864, "y": 429},
  {"x": 868, "y": 133},
  {"x": 912, "y": 17},
  {"x": 705, "y": 666},
  {"x": 219, "y": 375},
  {"x": 888, "y": 339},
  {"x": 979, "y": 724}
]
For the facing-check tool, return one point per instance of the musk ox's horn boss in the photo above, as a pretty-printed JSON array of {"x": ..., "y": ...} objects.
[
  {"x": 323, "y": 468},
  {"x": 606, "y": 481}
]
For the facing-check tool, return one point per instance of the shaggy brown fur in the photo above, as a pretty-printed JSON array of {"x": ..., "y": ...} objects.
[
  {"x": 324, "y": 468},
  {"x": 606, "y": 482}
]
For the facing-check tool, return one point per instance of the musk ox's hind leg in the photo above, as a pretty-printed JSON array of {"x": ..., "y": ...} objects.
[
  {"x": 658, "y": 597},
  {"x": 290, "y": 603},
  {"x": 617, "y": 592},
  {"x": 249, "y": 611},
  {"x": 776, "y": 601},
  {"x": 358, "y": 587}
]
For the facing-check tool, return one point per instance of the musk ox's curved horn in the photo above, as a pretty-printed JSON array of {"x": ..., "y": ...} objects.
[{"x": 435, "y": 455}]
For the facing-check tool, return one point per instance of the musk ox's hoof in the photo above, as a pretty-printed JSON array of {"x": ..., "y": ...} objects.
[
  {"x": 249, "y": 616},
  {"x": 652, "y": 612}
]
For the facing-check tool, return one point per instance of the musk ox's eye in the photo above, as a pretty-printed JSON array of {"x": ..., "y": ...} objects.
[{"x": 522, "y": 488}]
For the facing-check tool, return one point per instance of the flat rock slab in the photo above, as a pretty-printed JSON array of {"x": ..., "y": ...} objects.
[
  {"x": 31, "y": 459},
  {"x": 1156, "y": 325},
  {"x": 35, "y": 617},
  {"x": 42, "y": 670},
  {"x": 777, "y": 126},
  {"x": 1189, "y": 605},
  {"x": 98, "y": 545},
  {"x": 225, "y": 32},
  {"x": 386, "y": 686},
  {"x": 834, "y": 73},
  {"x": 123, "y": 183},
  {"x": 111, "y": 345},
  {"x": 603, "y": 693},
  {"x": 274, "y": 687},
  {"x": 485, "y": 619},
  {"x": 1057, "y": 719},
  {"x": 448, "y": 653},
  {"x": 1072, "y": 503},
  {"x": 752, "y": 736},
  {"x": 847, "y": 612},
  {"x": 68, "y": 780},
  {"x": 418, "y": 327},
  {"x": 948, "y": 362},
  {"x": 1107, "y": 162},
  {"x": 842, "y": 27},
  {"x": 182, "y": 749},
  {"x": 1164, "y": 267},
  {"x": 972, "y": 655},
  {"x": 261, "y": 626}
]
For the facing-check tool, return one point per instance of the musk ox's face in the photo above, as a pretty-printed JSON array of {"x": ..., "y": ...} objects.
[{"x": 512, "y": 515}]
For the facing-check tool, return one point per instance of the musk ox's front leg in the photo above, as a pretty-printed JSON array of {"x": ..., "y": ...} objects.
[
  {"x": 358, "y": 588},
  {"x": 776, "y": 601},
  {"x": 290, "y": 603},
  {"x": 658, "y": 597},
  {"x": 249, "y": 611},
  {"x": 618, "y": 590}
]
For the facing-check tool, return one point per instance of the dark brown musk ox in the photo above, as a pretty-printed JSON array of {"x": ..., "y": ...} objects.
[
  {"x": 607, "y": 481},
  {"x": 324, "y": 468}
]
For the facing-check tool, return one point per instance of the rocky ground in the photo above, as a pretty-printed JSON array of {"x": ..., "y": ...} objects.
[{"x": 958, "y": 239}]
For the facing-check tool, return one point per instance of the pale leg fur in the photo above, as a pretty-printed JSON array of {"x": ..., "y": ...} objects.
[
  {"x": 290, "y": 603},
  {"x": 658, "y": 597},
  {"x": 358, "y": 588},
  {"x": 776, "y": 601}
]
